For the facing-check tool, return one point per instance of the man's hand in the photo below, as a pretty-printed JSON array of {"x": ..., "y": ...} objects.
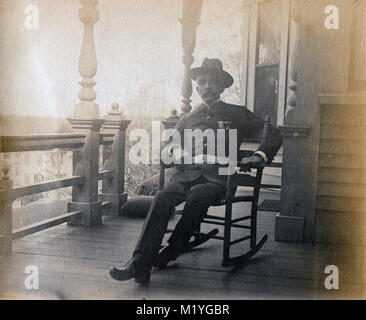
[
  {"x": 178, "y": 155},
  {"x": 254, "y": 161}
]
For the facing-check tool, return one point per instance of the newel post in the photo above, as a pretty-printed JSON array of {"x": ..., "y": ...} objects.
[
  {"x": 6, "y": 223},
  {"x": 114, "y": 159},
  {"x": 86, "y": 121}
]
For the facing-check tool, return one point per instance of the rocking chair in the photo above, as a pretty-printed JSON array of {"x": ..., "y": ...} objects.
[{"x": 246, "y": 180}]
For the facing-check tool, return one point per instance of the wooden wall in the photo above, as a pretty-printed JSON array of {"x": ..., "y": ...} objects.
[{"x": 341, "y": 178}]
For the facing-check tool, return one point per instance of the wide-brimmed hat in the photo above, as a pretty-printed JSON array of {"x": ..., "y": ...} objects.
[{"x": 213, "y": 66}]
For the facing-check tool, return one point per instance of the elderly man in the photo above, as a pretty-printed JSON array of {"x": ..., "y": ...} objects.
[{"x": 199, "y": 185}]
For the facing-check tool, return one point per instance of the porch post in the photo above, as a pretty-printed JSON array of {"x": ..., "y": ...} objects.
[
  {"x": 86, "y": 121},
  {"x": 295, "y": 222},
  {"x": 114, "y": 159},
  {"x": 289, "y": 223}
]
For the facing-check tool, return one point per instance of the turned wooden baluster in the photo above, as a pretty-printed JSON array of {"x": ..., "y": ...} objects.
[
  {"x": 292, "y": 68},
  {"x": 86, "y": 108},
  {"x": 190, "y": 22}
]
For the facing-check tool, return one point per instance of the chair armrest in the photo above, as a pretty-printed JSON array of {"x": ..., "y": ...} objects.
[
  {"x": 240, "y": 165},
  {"x": 258, "y": 166},
  {"x": 245, "y": 179}
]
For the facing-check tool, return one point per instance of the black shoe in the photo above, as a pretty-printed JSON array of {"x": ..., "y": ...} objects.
[
  {"x": 164, "y": 256},
  {"x": 135, "y": 268}
]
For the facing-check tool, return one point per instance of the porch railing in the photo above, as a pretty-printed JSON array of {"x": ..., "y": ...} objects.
[{"x": 87, "y": 204}]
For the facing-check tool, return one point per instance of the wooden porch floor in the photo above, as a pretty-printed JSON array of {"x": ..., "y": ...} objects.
[{"x": 74, "y": 262}]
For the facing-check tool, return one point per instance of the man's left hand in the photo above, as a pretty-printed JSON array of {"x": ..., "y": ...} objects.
[{"x": 254, "y": 161}]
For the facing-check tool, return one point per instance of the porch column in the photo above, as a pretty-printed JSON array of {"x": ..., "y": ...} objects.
[
  {"x": 293, "y": 223},
  {"x": 86, "y": 121}
]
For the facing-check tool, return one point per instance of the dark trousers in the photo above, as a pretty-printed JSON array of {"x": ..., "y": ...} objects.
[{"x": 199, "y": 195}]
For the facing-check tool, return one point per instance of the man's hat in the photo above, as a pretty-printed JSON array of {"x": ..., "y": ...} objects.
[{"x": 213, "y": 66}]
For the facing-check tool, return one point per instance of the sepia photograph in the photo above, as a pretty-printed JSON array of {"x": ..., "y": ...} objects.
[{"x": 189, "y": 150}]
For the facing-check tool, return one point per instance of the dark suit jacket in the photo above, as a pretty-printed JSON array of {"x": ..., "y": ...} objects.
[{"x": 247, "y": 124}]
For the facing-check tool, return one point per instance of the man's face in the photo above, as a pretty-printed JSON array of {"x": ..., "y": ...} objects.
[{"x": 209, "y": 88}]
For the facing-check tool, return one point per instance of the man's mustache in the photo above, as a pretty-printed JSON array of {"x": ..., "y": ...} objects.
[{"x": 208, "y": 93}]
